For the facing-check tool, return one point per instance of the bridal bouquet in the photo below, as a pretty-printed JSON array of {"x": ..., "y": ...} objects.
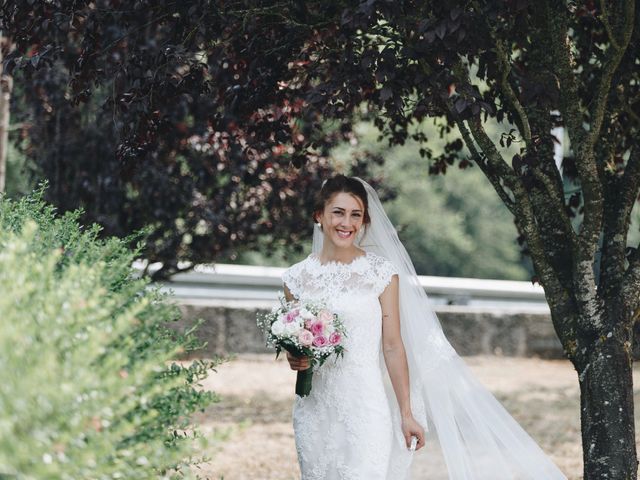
[{"x": 303, "y": 329}]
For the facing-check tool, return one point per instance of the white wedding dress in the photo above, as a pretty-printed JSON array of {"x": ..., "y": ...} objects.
[
  {"x": 343, "y": 428},
  {"x": 348, "y": 428}
]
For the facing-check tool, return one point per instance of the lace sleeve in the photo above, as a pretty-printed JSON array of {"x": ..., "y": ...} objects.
[
  {"x": 384, "y": 271},
  {"x": 290, "y": 279}
]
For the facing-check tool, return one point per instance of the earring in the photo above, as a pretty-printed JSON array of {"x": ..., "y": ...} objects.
[{"x": 319, "y": 225}]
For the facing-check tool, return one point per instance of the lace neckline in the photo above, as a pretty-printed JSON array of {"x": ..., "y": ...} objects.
[{"x": 333, "y": 263}]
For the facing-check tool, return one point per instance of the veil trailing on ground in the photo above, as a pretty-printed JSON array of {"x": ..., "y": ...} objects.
[{"x": 470, "y": 436}]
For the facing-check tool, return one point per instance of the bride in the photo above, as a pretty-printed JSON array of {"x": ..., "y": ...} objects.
[{"x": 399, "y": 377}]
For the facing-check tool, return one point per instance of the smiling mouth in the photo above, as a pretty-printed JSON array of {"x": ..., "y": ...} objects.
[{"x": 343, "y": 234}]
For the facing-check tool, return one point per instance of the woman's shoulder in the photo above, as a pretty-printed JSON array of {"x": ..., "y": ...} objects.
[
  {"x": 380, "y": 262},
  {"x": 383, "y": 271},
  {"x": 291, "y": 277},
  {"x": 296, "y": 267}
]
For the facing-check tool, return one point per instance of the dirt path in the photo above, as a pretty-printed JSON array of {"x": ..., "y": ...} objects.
[{"x": 254, "y": 416}]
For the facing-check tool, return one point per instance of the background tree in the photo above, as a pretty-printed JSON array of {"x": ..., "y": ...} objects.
[
  {"x": 270, "y": 66},
  {"x": 129, "y": 111}
]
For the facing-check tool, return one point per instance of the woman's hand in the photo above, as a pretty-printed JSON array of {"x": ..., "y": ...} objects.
[
  {"x": 298, "y": 363},
  {"x": 412, "y": 428}
]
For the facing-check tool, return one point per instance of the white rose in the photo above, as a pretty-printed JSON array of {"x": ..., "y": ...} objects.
[
  {"x": 306, "y": 314},
  {"x": 277, "y": 328},
  {"x": 291, "y": 328}
]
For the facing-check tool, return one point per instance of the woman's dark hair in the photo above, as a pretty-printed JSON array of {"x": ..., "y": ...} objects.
[{"x": 341, "y": 183}]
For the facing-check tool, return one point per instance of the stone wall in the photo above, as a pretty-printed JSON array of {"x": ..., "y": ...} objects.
[{"x": 233, "y": 330}]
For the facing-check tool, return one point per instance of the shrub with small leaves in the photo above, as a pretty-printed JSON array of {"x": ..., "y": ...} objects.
[{"x": 88, "y": 389}]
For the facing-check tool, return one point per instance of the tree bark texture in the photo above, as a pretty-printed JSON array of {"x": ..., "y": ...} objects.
[{"x": 607, "y": 412}]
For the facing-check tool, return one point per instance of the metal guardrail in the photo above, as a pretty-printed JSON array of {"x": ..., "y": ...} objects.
[{"x": 245, "y": 286}]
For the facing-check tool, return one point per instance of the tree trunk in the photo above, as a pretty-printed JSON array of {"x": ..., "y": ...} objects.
[
  {"x": 607, "y": 419},
  {"x": 6, "y": 84}
]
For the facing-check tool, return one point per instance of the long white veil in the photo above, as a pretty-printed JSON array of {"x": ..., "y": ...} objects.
[{"x": 470, "y": 436}]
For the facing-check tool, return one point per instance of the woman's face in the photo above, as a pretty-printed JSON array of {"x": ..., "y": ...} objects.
[{"x": 342, "y": 218}]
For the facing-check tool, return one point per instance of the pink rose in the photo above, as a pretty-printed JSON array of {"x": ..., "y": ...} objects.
[
  {"x": 291, "y": 316},
  {"x": 305, "y": 337},
  {"x": 317, "y": 328},
  {"x": 334, "y": 338},
  {"x": 320, "y": 341},
  {"x": 325, "y": 317}
]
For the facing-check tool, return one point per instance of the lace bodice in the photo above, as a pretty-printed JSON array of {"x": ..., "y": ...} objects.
[
  {"x": 366, "y": 274},
  {"x": 350, "y": 290}
]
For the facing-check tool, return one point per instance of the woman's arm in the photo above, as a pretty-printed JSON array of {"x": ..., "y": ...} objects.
[
  {"x": 395, "y": 358},
  {"x": 392, "y": 346}
]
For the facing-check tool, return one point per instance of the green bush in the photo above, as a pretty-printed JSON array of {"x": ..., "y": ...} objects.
[{"x": 87, "y": 386}]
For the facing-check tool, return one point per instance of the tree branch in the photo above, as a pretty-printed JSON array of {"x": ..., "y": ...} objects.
[
  {"x": 569, "y": 100},
  {"x": 604, "y": 86},
  {"x": 548, "y": 192},
  {"x": 504, "y": 66},
  {"x": 523, "y": 208},
  {"x": 607, "y": 25},
  {"x": 585, "y": 157},
  {"x": 557, "y": 198},
  {"x": 632, "y": 279},
  {"x": 629, "y": 192},
  {"x": 559, "y": 298},
  {"x": 488, "y": 172},
  {"x": 583, "y": 142}
]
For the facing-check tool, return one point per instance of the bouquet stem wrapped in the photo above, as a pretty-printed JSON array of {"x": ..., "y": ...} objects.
[
  {"x": 303, "y": 382},
  {"x": 304, "y": 377}
]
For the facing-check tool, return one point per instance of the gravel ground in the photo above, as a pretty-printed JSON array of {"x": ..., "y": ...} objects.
[{"x": 253, "y": 419}]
